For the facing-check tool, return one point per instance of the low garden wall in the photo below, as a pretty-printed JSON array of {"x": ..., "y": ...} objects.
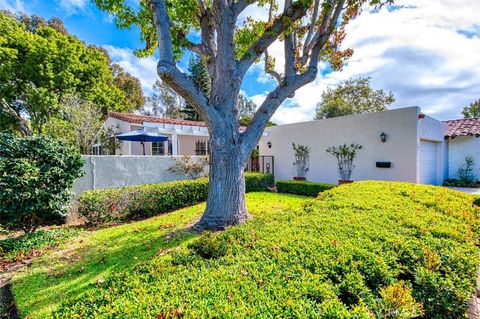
[{"x": 114, "y": 171}]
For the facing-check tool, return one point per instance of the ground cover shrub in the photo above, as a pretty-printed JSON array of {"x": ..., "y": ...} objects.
[
  {"x": 466, "y": 175},
  {"x": 36, "y": 175},
  {"x": 18, "y": 248},
  {"x": 364, "y": 250},
  {"x": 302, "y": 187},
  {"x": 120, "y": 204}
]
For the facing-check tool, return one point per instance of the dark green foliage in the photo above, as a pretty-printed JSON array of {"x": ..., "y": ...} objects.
[
  {"x": 257, "y": 182},
  {"x": 354, "y": 96},
  {"x": 364, "y": 250},
  {"x": 476, "y": 201},
  {"x": 302, "y": 187},
  {"x": 36, "y": 174},
  {"x": 466, "y": 175},
  {"x": 40, "y": 64},
  {"x": 460, "y": 183},
  {"x": 473, "y": 110},
  {"x": 18, "y": 248},
  {"x": 199, "y": 73},
  {"x": 121, "y": 204}
]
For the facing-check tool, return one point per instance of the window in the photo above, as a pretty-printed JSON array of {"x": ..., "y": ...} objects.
[
  {"x": 201, "y": 148},
  {"x": 158, "y": 148}
]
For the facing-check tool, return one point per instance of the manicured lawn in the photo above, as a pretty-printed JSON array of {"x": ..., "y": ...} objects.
[
  {"x": 365, "y": 250},
  {"x": 78, "y": 264}
]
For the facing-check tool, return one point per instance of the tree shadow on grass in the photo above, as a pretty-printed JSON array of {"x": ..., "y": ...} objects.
[{"x": 66, "y": 274}]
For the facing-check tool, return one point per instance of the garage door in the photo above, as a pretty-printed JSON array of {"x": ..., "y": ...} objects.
[{"x": 428, "y": 162}]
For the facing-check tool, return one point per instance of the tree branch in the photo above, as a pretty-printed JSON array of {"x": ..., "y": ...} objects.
[
  {"x": 291, "y": 14},
  {"x": 285, "y": 89},
  {"x": 277, "y": 76},
  {"x": 198, "y": 48},
  {"x": 168, "y": 71},
  {"x": 241, "y": 5}
]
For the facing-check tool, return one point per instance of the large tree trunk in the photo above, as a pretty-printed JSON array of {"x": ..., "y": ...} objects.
[{"x": 226, "y": 190}]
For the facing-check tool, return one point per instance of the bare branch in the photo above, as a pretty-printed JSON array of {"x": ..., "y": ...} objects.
[
  {"x": 291, "y": 14},
  {"x": 277, "y": 76},
  {"x": 202, "y": 7},
  {"x": 198, "y": 48},
  {"x": 313, "y": 22},
  {"x": 241, "y": 5}
]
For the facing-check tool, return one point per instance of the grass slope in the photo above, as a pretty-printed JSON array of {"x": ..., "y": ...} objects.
[{"x": 80, "y": 263}]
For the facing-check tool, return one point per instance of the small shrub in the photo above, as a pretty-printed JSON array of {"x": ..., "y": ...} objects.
[
  {"x": 17, "y": 248},
  {"x": 120, "y": 204},
  {"x": 465, "y": 172},
  {"x": 302, "y": 187},
  {"x": 257, "y": 182},
  {"x": 36, "y": 174},
  {"x": 397, "y": 303},
  {"x": 193, "y": 169},
  {"x": 345, "y": 155}
]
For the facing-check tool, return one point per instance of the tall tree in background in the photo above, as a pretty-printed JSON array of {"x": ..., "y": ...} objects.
[
  {"x": 40, "y": 63},
  {"x": 78, "y": 124},
  {"x": 246, "y": 111},
  {"x": 197, "y": 66},
  {"x": 311, "y": 31},
  {"x": 354, "y": 96},
  {"x": 473, "y": 110},
  {"x": 130, "y": 86},
  {"x": 164, "y": 102}
]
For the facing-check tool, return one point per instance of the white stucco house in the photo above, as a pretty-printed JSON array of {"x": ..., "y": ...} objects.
[
  {"x": 184, "y": 137},
  {"x": 417, "y": 148},
  {"x": 463, "y": 140}
]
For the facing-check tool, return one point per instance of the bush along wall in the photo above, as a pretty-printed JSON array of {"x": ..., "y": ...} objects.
[
  {"x": 120, "y": 204},
  {"x": 302, "y": 187}
]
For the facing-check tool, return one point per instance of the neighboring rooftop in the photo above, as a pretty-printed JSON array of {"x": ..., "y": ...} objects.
[
  {"x": 140, "y": 119},
  {"x": 463, "y": 127}
]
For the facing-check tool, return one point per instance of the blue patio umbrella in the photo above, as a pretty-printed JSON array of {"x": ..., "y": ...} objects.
[{"x": 142, "y": 136}]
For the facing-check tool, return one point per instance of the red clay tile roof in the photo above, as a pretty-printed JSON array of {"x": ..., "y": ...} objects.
[
  {"x": 139, "y": 119},
  {"x": 463, "y": 127}
]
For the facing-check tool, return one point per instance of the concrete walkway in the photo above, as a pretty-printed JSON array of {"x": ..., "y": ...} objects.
[{"x": 475, "y": 191}]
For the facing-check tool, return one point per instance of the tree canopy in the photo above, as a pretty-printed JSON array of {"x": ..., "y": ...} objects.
[
  {"x": 353, "y": 96},
  {"x": 473, "y": 110},
  {"x": 40, "y": 63},
  {"x": 164, "y": 102}
]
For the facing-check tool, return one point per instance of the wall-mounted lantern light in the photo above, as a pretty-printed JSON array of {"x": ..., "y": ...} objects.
[
  {"x": 383, "y": 137},
  {"x": 269, "y": 144}
]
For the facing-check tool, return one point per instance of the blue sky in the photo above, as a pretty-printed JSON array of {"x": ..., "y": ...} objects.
[{"x": 426, "y": 52}]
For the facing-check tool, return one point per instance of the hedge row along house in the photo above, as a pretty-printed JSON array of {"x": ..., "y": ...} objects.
[{"x": 397, "y": 145}]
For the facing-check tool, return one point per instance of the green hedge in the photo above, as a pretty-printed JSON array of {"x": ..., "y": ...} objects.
[
  {"x": 120, "y": 204},
  {"x": 302, "y": 188}
]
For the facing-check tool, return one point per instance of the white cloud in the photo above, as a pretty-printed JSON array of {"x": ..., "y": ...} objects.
[
  {"x": 145, "y": 69},
  {"x": 13, "y": 5},
  {"x": 426, "y": 52},
  {"x": 73, "y": 6}
]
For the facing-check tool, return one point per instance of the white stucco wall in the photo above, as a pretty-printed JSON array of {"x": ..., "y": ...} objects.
[
  {"x": 400, "y": 149},
  {"x": 432, "y": 130},
  {"x": 459, "y": 148},
  {"x": 111, "y": 171}
]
